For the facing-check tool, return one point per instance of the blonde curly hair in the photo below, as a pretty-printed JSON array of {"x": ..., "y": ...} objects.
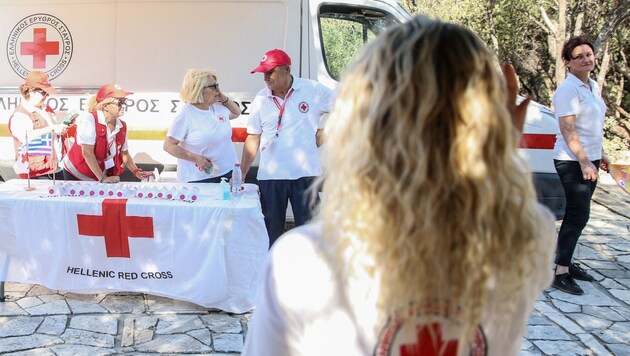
[{"x": 423, "y": 187}]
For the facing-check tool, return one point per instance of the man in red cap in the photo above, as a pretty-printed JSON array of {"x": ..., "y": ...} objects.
[
  {"x": 35, "y": 129},
  {"x": 101, "y": 148},
  {"x": 286, "y": 125}
]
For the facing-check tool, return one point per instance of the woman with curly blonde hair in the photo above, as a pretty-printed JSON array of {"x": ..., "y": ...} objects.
[{"x": 429, "y": 240}]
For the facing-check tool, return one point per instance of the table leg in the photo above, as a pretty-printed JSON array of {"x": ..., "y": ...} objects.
[{"x": 2, "y": 297}]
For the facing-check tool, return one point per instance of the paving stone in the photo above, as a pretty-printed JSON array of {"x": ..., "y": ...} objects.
[
  {"x": 29, "y": 302},
  {"x": 593, "y": 345},
  {"x": 47, "y": 298},
  {"x": 567, "y": 324},
  {"x": 39, "y": 290},
  {"x": 53, "y": 325},
  {"x": 615, "y": 273},
  {"x": 620, "y": 349},
  {"x": 107, "y": 324},
  {"x": 530, "y": 353},
  {"x": 178, "y": 324},
  {"x": 161, "y": 305},
  {"x": 228, "y": 342},
  {"x": 175, "y": 343},
  {"x": 123, "y": 304},
  {"x": 546, "y": 332},
  {"x": 589, "y": 322},
  {"x": 52, "y": 308},
  {"x": 90, "y": 338},
  {"x": 202, "y": 335},
  {"x": 18, "y": 326},
  {"x": 222, "y": 323},
  {"x": 34, "y": 352},
  {"x": 537, "y": 319},
  {"x": 17, "y": 287},
  {"x": 565, "y": 306},
  {"x": 605, "y": 313},
  {"x": 621, "y": 294},
  {"x": 624, "y": 312},
  {"x": 618, "y": 333},
  {"x": 144, "y": 329},
  {"x": 85, "y": 307},
  {"x": 11, "y": 309},
  {"x": 610, "y": 284},
  {"x": 129, "y": 325},
  {"x": 526, "y": 345},
  {"x": 543, "y": 308},
  {"x": 82, "y": 350},
  {"x": 560, "y": 348},
  {"x": 19, "y": 343},
  {"x": 592, "y": 296}
]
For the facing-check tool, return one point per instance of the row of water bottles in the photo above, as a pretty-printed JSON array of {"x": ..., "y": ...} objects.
[{"x": 147, "y": 191}]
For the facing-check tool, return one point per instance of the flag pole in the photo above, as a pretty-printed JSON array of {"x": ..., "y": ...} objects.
[{"x": 28, "y": 174}]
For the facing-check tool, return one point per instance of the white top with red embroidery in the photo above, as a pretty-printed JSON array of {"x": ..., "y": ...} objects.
[{"x": 302, "y": 308}]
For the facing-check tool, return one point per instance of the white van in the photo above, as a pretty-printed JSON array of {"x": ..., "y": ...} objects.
[{"x": 146, "y": 46}]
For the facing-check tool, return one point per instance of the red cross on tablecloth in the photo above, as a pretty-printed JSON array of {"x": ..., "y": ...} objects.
[
  {"x": 115, "y": 226},
  {"x": 429, "y": 342},
  {"x": 39, "y": 48}
]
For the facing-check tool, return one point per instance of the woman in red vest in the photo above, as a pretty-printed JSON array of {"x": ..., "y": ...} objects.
[
  {"x": 101, "y": 149},
  {"x": 35, "y": 121}
]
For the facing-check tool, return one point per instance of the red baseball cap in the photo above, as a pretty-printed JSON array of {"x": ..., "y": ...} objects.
[
  {"x": 111, "y": 90},
  {"x": 37, "y": 79},
  {"x": 274, "y": 58}
]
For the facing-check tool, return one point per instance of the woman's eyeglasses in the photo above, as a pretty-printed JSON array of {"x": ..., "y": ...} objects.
[
  {"x": 120, "y": 102},
  {"x": 42, "y": 92},
  {"x": 214, "y": 86}
]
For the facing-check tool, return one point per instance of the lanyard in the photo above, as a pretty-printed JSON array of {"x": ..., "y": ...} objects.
[{"x": 281, "y": 108}]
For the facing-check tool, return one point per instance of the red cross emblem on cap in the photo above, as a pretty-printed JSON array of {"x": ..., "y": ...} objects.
[{"x": 303, "y": 107}]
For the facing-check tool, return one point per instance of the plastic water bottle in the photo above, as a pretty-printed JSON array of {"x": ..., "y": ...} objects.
[
  {"x": 182, "y": 193},
  {"x": 237, "y": 178},
  {"x": 224, "y": 194},
  {"x": 54, "y": 190},
  {"x": 194, "y": 193}
]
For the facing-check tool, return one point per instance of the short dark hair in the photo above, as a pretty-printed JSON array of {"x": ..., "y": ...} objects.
[{"x": 570, "y": 45}]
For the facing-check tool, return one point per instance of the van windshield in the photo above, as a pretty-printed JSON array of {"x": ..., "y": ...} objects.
[{"x": 345, "y": 29}]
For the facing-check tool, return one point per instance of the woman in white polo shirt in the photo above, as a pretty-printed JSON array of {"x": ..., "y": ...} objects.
[
  {"x": 200, "y": 136},
  {"x": 578, "y": 154}
]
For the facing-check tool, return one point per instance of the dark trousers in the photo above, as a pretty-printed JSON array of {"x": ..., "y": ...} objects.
[
  {"x": 274, "y": 197},
  {"x": 578, "y": 193}
]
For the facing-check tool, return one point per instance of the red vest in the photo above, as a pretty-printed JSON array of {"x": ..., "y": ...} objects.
[
  {"x": 38, "y": 164},
  {"x": 78, "y": 167}
]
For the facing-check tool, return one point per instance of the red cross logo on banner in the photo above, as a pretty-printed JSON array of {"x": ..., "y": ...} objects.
[
  {"x": 39, "y": 48},
  {"x": 116, "y": 227}
]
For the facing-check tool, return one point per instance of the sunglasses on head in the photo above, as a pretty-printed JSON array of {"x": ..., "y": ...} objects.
[{"x": 214, "y": 86}]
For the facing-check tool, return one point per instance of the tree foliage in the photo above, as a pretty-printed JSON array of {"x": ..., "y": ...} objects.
[{"x": 530, "y": 33}]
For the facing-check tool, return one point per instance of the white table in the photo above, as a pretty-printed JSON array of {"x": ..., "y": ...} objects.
[{"x": 209, "y": 252}]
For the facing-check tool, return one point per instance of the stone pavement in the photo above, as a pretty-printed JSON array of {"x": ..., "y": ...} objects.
[{"x": 38, "y": 321}]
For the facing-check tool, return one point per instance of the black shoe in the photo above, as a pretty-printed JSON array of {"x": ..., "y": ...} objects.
[
  {"x": 567, "y": 284},
  {"x": 579, "y": 273}
]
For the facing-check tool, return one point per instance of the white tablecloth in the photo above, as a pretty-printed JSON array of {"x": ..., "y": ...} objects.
[{"x": 209, "y": 252}]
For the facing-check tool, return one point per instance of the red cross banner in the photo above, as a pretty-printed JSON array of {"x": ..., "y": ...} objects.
[{"x": 208, "y": 252}]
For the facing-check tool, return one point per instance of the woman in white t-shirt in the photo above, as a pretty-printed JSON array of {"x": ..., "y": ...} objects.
[
  {"x": 578, "y": 154},
  {"x": 200, "y": 136},
  {"x": 430, "y": 240}
]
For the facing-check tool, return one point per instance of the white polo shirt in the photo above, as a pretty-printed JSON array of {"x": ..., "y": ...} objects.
[
  {"x": 303, "y": 308},
  {"x": 573, "y": 97},
  {"x": 293, "y": 153},
  {"x": 207, "y": 133}
]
